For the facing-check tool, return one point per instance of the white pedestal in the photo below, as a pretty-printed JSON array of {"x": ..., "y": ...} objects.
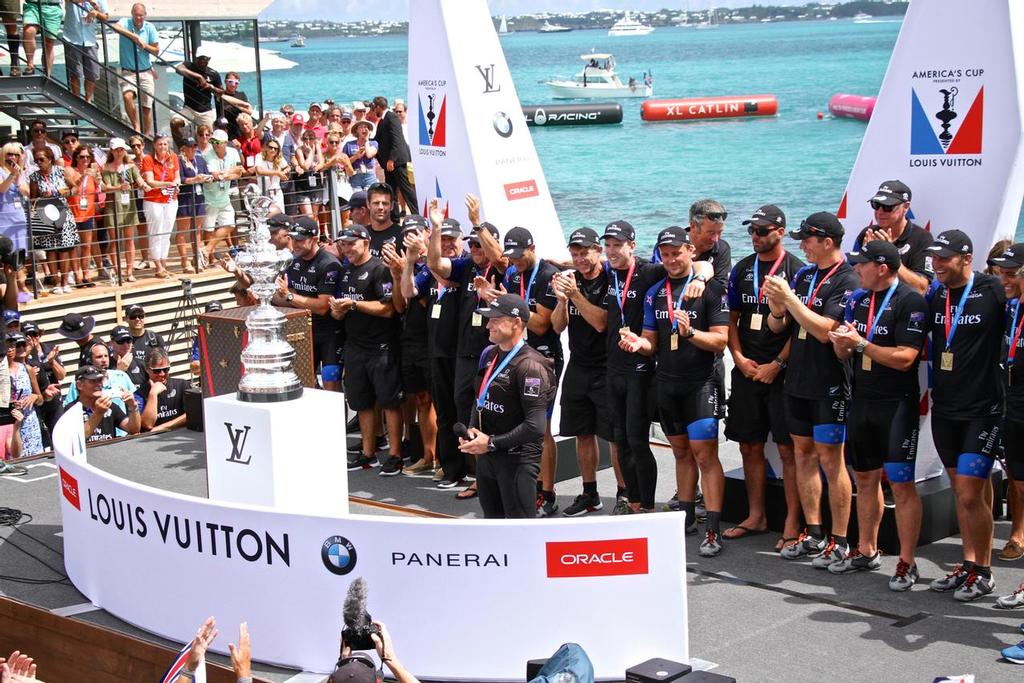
[{"x": 288, "y": 455}]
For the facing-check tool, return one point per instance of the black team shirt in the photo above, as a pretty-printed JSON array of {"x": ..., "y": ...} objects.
[
  {"x": 814, "y": 371},
  {"x": 720, "y": 258},
  {"x": 110, "y": 422},
  {"x": 370, "y": 281},
  {"x": 588, "y": 348},
  {"x": 912, "y": 244},
  {"x": 539, "y": 293},
  {"x": 686, "y": 366},
  {"x": 973, "y": 388},
  {"x": 472, "y": 327},
  {"x": 902, "y": 323},
  {"x": 1014, "y": 371},
  {"x": 389, "y": 235},
  {"x": 759, "y": 345},
  {"x": 170, "y": 404},
  {"x": 442, "y": 313},
  {"x": 644, "y": 276},
  {"x": 318, "y": 275}
]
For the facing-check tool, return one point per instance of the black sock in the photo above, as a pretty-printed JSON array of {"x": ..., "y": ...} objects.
[
  {"x": 967, "y": 564},
  {"x": 713, "y": 522},
  {"x": 620, "y": 491},
  {"x": 841, "y": 540},
  {"x": 815, "y": 531},
  {"x": 590, "y": 488},
  {"x": 549, "y": 496},
  {"x": 984, "y": 571},
  {"x": 690, "y": 508}
]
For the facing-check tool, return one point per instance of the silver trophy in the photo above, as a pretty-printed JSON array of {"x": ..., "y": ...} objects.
[{"x": 268, "y": 356}]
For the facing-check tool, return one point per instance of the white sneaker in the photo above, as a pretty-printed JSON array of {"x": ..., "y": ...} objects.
[
  {"x": 974, "y": 587},
  {"x": 832, "y": 553},
  {"x": 1013, "y": 600},
  {"x": 711, "y": 545}
]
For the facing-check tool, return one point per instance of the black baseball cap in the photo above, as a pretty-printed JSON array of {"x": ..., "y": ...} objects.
[
  {"x": 354, "y": 232},
  {"x": 489, "y": 227},
  {"x": 16, "y": 338},
  {"x": 891, "y": 193},
  {"x": 584, "y": 237},
  {"x": 134, "y": 309},
  {"x": 620, "y": 230},
  {"x": 28, "y": 327},
  {"x": 414, "y": 221},
  {"x": 11, "y": 316},
  {"x": 1013, "y": 257},
  {"x": 76, "y": 326},
  {"x": 673, "y": 236},
  {"x": 820, "y": 224},
  {"x": 187, "y": 142},
  {"x": 357, "y": 200},
  {"x": 356, "y": 668},
  {"x": 214, "y": 306},
  {"x": 951, "y": 243},
  {"x": 768, "y": 215},
  {"x": 877, "y": 251},
  {"x": 279, "y": 221},
  {"x": 516, "y": 242},
  {"x": 120, "y": 333},
  {"x": 88, "y": 372},
  {"x": 304, "y": 228},
  {"x": 507, "y": 305},
  {"x": 451, "y": 228}
]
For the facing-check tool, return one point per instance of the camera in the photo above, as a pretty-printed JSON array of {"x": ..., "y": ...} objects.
[
  {"x": 9, "y": 256},
  {"x": 358, "y": 637},
  {"x": 359, "y": 624}
]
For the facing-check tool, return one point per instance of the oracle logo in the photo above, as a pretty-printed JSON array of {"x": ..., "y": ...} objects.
[
  {"x": 69, "y": 487},
  {"x": 521, "y": 190},
  {"x": 616, "y": 557}
]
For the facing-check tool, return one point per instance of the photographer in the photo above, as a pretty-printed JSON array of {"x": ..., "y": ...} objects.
[{"x": 360, "y": 668}]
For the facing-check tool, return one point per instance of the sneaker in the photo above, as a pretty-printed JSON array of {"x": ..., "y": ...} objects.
[
  {"x": 421, "y": 465},
  {"x": 583, "y": 504},
  {"x": 805, "y": 545},
  {"x": 106, "y": 262},
  {"x": 1013, "y": 600},
  {"x": 449, "y": 484},
  {"x": 905, "y": 577},
  {"x": 546, "y": 508},
  {"x": 1014, "y": 653},
  {"x": 391, "y": 467},
  {"x": 1011, "y": 551},
  {"x": 9, "y": 470},
  {"x": 673, "y": 504},
  {"x": 362, "y": 462},
  {"x": 856, "y": 562},
  {"x": 711, "y": 546},
  {"x": 832, "y": 553},
  {"x": 621, "y": 506},
  {"x": 974, "y": 587},
  {"x": 950, "y": 581},
  {"x": 438, "y": 474}
]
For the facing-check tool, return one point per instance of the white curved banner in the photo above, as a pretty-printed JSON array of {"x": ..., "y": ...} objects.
[{"x": 464, "y": 600}]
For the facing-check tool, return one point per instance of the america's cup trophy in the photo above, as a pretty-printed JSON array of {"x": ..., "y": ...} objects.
[{"x": 267, "y": 358}]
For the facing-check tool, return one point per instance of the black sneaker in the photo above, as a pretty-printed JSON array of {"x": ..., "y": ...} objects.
[
  {"x": 546, "y": 508},
  {"x": 391, "y": 467},
  {"x": 9, "y": 470},
  {"x": 362, "y": 462},
  {"x": 583, "y": 504}
]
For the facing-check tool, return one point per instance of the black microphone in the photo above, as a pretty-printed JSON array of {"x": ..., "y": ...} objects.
[{"x": 461, "y": 431}]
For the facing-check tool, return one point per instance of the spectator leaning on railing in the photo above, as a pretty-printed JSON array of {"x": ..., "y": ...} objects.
[
  {"x": 138, "y": 42},
  {"x": 81, "y": 55}
]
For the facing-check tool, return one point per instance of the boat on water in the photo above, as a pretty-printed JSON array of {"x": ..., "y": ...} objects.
[
  {"x": 503, "y": 27},
  {"x": 599, "y": 80},
  {"x": 548, "y": 27},
  {"x": 710, "y": 21},
  {"x": 861, "y": 18},
  {"x": 628, "y": 26},
  {"x": 298, "y": 41}
]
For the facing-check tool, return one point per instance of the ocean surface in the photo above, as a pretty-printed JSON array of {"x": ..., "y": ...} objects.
[{"x": 650, "y": 173}]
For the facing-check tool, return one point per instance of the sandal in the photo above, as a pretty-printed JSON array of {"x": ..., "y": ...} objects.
[
  {"x": 29, "y": 70},
  {"x": 129, "y": 278},
  {"x": 15, "y": 71},
  {"x": 188, "y": 269},
  {"x": 470, "y": 492}
]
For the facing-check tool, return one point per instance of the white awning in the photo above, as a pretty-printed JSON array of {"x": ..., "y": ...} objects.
[{"x": 176, "y": 10}]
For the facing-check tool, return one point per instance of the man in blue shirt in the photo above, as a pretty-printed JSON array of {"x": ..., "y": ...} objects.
[
  {"x": 80, "y": 50},
  {"x": 138, "y": 41}
]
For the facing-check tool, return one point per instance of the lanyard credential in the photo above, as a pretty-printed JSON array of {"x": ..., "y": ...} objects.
[
  {"x": 872, "y": 320},
  {"x": 492, "y": 374},
  {"x": 1015, "y": 330},
  {"x": 621, "y": 294},
  {"x": 672, "y": 322},
  {"x": 524, "y": 292},
  {"x": 814, "y": 290},
  {"x": 952, "y": 323},
  {"x": 757, "y": 280}
]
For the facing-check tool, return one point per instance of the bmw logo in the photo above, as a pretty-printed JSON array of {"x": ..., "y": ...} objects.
[
  {"x": 502, "y": 124},
  {"x": 338, "y": 555}
]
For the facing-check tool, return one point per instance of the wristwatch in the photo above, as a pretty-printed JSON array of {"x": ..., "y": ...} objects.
[
  {"x": 781, "y": 363},
  {"x": 689, "y": 333},
  {"x": 701, "y": 278},
  {"x": 490, "y": 445},
  {"x": 861, "y": 346},
  {"x": 289, "y": 297}
]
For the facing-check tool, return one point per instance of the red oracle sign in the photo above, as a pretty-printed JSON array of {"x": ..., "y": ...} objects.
[
  {"x": 521, "y": 190},
  {"x": 616, "y": 557},
  {"x": 69, "y": 486}
]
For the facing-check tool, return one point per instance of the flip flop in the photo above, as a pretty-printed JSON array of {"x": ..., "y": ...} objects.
[
  {"x": 744, "y": 532},
  {"x": 470, "y": 492},
  {"x": 784, "y": 542}
]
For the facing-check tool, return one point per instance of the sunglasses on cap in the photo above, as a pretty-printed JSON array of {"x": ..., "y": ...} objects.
[
  {"x": 716, "y": 216},
  {"x": 812, "y": 230},
  {"x": 760, "y": 230},
  {"x": 878, "y": 206}
]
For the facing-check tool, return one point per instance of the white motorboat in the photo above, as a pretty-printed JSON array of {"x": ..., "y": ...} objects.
[
  {"x": 298, "y": 41},
  {"x": 628, "y": 26},
  {"x": 599, "y": 80},
  {"x": 548, "y": 27},
  {"x": 862, "y": 18}
]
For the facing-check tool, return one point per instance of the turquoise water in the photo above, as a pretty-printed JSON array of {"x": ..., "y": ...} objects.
[{"x": 649, "y": 173}]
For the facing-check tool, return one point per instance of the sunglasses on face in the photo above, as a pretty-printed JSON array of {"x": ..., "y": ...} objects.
[
  {"x": 160, "y": 371},
  {"x": 232, "y": 82},
  {"x": 137, "y": 145},
  {"x": 38, "y": 130},
  {"x": 878, "y": 206},
  {"x": 123, "y": 341},
  {"x": 32, "y": 334},
  {"x": 760, "y": 230},
  {"x": 273, "y": 147},
  {"x": 40, "y": 160},
  {"x": 85, "y": 156},
  {"x": 136, "y": 316},
  {"x": 204, "y": 135}
]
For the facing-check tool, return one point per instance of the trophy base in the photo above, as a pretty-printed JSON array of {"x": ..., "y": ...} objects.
[{"x": 277, "y": 397}]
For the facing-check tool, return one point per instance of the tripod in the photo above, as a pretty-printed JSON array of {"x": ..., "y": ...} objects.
[{"x": 183, "y": 326}]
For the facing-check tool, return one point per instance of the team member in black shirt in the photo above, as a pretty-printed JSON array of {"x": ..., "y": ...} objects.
[
  {"x": 122, "y": 355},
  {"x": 508, "y": 421},
  {"x": 684, "y": 335},
  {"x": 380, "y": 199},
  {"x": 363, "y": 301},
  {"x": 883, "y": 335},
  {"x": 308, "y": 283},
  {"x": 163, "y": 405},
  {"x": 100, "y": 414},
  {"x": 967, "y": 400},
  {"x": 707, "y": 222},
  {"x": 757, "y": 404},
  {"x": 581, "y": 308},
  {"x": 142, "y": 339},
  {"x": 817, "y": 383},
  {"x": 891, "y": 204}
]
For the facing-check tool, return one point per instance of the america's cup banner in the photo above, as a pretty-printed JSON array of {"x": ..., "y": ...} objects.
[
  {"x": 948, "y": 122},
  {"x": 467, "y": 129}
]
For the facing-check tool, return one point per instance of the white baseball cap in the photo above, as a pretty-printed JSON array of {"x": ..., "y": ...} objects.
[{"x": 220, "y": 135}]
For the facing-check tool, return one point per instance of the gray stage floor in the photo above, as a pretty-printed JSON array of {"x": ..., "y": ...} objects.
[{"x": 753, "y": 615}]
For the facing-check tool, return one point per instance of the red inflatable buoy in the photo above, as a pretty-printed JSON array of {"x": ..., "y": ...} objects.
[
  {"x": 701, "y": 108},
  {"x": 847, "y": 106}
]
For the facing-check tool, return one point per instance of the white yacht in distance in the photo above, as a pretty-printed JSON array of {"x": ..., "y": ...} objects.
[
  {"x": 861, "y": 18},
  {"x": 298, "y": 41},
  {"x": 548, "y": 27},
  {"x": 628, "y": 26},
  {"x": 599, "y": 80},
  {"x": 710, "y": 21}
]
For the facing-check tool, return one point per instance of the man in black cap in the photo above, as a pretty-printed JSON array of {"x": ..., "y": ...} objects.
[
  {"x": 122, "y": 355},
  {"x": 884, "y": 330},
  {"x": 363, "y": 301},
  {"x": 891, "y": 204},
  {"x": 817, "y": 383},
  {"x": 966, "y": 323},
  {"x": 142, "y": 339},
  {"x": 101, "y": 415},
  {"x": 507, "y": 426},
  {"x": 684, "y": 336},
  {"x": 78, "y": 328},
  {"x": 581, "y": 295},
  {"x": 757, "y": 404},
  {"x": 309, "y": 283}
]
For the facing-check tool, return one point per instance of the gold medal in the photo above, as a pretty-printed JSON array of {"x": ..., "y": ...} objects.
[
  {"x": 756, "y": 319},
  {"x": 802, "y": 334},
  {"x": 478, "y": 319},
  {"x": 865, "y": 362},
  {"x": 673, "y": 341},
  {"x": 435, "y": 311},
  {"x": 946, "y": 361}
]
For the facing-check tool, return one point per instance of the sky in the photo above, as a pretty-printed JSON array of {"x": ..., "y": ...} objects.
[{"x": 396, "y": 10}]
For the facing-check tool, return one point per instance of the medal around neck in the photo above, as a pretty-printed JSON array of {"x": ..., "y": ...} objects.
[{"x": 268, "y": 357}]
